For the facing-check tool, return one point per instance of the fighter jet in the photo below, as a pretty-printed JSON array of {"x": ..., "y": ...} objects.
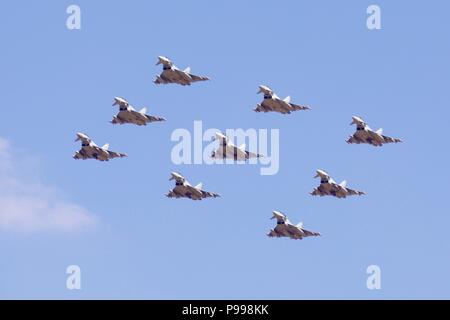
[
  {"x": 328, "y": 187},
  {"x": 89, "y": 150},
  {"x": 364, "y": 134},
  {"x": 183, "y": 189},
  {"x": 127, "y": 114},
  {"x": 226, "y": 149},
  {"x": 285, "y": 228},
  {"x": 171, "y": 74},
  {"x": 272, "y": 102}
]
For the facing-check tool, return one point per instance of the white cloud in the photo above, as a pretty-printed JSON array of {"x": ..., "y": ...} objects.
[{"x": 28, "y": 205}]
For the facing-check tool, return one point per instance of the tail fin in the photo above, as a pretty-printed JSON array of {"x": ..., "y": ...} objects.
[
  {"x": 187, "y": 70},
  {"x": 343, "y": 184},
  {"x": 379, "y": 131},
  {"x": 105, "y": 146},
  {"x": 199, "y": 186},
  {"x": 143, "y": 110},
  {"x": 287, "y": 99}
]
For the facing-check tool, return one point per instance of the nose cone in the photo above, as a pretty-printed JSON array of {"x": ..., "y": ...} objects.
[
  {"x": 176, "y": 176},
  {"x": 81, "y": 136},
  {"x": 321, "y": 173},
  {"x": 277, "y": 215},
  {"x": 119, "y": 100},
  {"x": 264, "y": 89},
  {"x": 219, "y": 136},
  {"x": 163, "y": 60},
  {"x": 356, "y": 120}
]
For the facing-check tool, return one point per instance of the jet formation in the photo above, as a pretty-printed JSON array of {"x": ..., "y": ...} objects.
[{"x": 227, "y": 150}]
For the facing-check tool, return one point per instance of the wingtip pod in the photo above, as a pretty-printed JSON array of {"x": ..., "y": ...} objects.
[
  {"x": 394, "y": 140},
  {"x": 296, "y": 107},
  {"x": 156, "y": 119},
  {"x": 315, "y": 234},
  {"x": 207, "y": 194},
  {"x": 198, "y": 78},
  {"x": 119, "y": 155}
]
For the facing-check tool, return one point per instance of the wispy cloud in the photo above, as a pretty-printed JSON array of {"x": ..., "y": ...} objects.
[{"x": 28, "y": 205}]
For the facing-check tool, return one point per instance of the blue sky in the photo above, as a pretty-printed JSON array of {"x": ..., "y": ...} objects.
[{"x": 131, "y": 242}]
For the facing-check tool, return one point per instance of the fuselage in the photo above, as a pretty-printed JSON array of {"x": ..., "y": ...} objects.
[
  {"x": 184, "y": 189},
  {"x": 131, "y": 116}
]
